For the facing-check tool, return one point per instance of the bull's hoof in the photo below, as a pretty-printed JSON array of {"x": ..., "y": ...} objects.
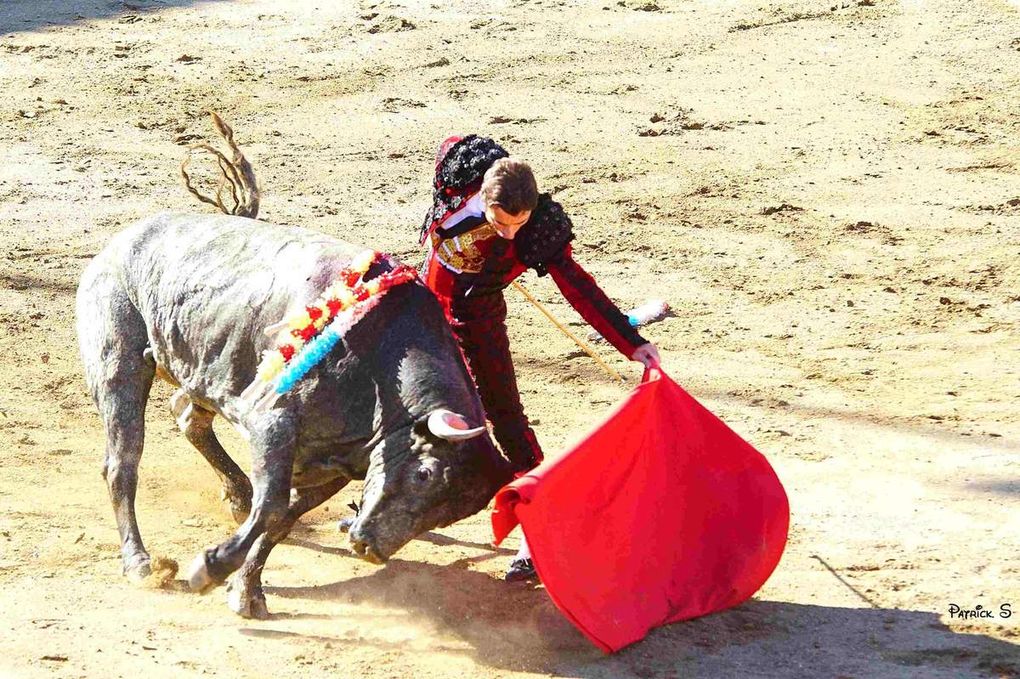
[
  {"x": 199, "y": 578},
  {"x": 247, "y": 602},
  {"x": 138, "y": 569}
]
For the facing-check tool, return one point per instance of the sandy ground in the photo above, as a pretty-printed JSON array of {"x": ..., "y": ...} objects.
[{"x": 826, "y": 192}]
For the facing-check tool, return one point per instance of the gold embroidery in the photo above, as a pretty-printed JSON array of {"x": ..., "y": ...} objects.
[{"x": 462, "y": 254}]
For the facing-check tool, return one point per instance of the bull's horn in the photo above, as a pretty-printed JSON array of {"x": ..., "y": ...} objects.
[{"x": 448, "y": 425}]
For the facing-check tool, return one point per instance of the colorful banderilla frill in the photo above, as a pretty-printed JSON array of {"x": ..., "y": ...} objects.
[{"x": 316, "y": 330}]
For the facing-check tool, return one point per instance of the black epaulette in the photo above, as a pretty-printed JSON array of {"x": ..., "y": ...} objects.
[
  {"x": 467, "y": 161},
  {"x": 545, "y": 235},
  {"x": 459, "y": 175}
]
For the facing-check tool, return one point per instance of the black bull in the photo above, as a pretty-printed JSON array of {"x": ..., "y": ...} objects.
[{"x": 187, "y": 297}]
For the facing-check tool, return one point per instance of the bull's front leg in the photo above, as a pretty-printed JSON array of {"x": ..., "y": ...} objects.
[
  {"x": 244, "y": 591},
  {"x": 273, "y": 439}
]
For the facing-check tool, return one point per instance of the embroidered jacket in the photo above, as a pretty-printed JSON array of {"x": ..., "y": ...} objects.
[{"x": 468, "y": 264}]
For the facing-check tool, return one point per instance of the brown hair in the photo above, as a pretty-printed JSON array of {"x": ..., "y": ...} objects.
[{"x": 510, "y": 184}]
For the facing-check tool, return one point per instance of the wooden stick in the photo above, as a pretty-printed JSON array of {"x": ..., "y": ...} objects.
[{"x": 584, "y": 347}]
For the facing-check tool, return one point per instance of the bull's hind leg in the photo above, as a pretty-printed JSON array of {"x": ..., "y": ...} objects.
[
  {"x": 244, "y": 590},
  {"x": 112, "y": 337},
  {"x": 196, "y": 423},
  {"x": 124, "y": 419}
]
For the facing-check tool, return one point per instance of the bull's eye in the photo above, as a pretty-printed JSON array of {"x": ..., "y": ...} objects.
[{"x": 424, "y": 474}]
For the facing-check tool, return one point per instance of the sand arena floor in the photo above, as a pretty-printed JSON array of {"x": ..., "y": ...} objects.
[{"x": 827, "y": 193}]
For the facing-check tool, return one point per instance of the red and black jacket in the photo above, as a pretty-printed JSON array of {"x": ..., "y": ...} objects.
[{"x": 542, "y": 244}]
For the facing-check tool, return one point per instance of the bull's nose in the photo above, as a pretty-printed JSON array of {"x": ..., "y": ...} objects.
[{"x": 366, "y": 551}]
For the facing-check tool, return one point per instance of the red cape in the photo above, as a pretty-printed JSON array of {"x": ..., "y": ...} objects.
[{"x": 660, "y": 514}]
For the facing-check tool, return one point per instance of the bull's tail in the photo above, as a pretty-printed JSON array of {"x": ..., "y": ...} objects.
[{"x": 237, "y": 179}]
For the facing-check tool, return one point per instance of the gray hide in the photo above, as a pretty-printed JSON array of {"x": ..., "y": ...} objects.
[{"x": 187, "y": 297}]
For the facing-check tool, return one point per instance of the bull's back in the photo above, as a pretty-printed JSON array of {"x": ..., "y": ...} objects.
[{"x": 207, "y": 285}]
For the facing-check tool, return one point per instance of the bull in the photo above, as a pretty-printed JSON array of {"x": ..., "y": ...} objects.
[{"x": 186, "y": 297}]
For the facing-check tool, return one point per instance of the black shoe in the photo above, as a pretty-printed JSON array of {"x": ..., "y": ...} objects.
[{"x": 520, "y": 569}]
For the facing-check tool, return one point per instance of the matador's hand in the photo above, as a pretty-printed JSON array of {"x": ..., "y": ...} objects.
[{"x": 648, "y": 355}]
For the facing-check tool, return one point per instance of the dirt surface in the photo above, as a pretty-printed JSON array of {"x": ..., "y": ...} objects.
[{"x": 826, "y": 192}]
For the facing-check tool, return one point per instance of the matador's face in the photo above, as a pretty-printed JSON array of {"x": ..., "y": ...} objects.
[{"x": 506, "y": 224}]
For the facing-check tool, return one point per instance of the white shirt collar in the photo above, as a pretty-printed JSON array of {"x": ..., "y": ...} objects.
[{"x": 472, "y": 208}]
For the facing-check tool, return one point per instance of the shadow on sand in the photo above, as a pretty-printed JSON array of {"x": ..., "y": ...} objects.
[
  {"x": 30, "y": 15},
  {"x": 517, "y": 628}
]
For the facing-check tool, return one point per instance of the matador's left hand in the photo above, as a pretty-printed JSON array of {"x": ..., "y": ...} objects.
[{"x": 647, "y": 354}]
